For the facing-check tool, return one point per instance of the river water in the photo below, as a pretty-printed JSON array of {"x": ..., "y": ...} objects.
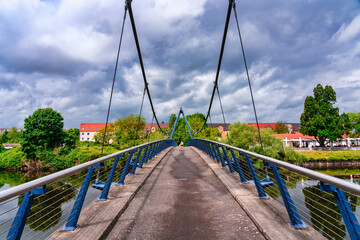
[{"x": 316, "y": 208}]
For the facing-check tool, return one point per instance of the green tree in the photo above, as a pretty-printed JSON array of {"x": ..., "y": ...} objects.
[
  {"x": 2, "y": 148},
  {"x": 72, "y": 137},
  {"x": 242, "y": 135},
  {"x": 321, "y": 119},
  {"x": 129, "y": 130},
  {"x": 354, "y": 119},
  {"x": 14, "y": 136},
  {"x": 246, "y": 137},
  {"x": 4, "y": 137},
  {"x": 172, "y": 120},
  {"x": 196, "y": 121},
  {"x": 99, "y": 136},
  {"x": 280, "y": 128},
  {"x": 43, "y": 130}
]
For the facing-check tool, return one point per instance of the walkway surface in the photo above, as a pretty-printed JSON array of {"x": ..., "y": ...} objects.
[
  {"x": 184, "y": 194},
  {"x": 183, "y": 199}
]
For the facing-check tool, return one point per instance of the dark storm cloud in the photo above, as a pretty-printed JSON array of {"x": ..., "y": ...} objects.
[{"x": 61, "y": 54}]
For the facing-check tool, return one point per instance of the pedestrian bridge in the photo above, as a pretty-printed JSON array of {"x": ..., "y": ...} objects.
[{"x": 207, "y": 190}]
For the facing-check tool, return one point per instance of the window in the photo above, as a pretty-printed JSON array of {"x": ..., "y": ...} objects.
[
  {"x": 220, "y": 128},
  {"x": 88, "y": 128},
  {"x": 82, "y": 139},
  {"x": 95, "y": 128},
  {"x": 153, "y": 129},
  {"x": 88, "y": 133},
  {"x": 82, "y": 133},
  {"x": 82, "y": 128},
  {"x": 87, "y": 138}
]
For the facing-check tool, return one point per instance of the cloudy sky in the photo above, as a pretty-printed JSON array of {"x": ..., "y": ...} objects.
[{"x": 61, "y": 54}]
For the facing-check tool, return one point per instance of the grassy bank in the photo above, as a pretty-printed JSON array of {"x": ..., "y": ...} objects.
[
  {"x": 338, "y": 172},
  {"x": 317, "y": 156},
  {"x": 15, "y": 159}
]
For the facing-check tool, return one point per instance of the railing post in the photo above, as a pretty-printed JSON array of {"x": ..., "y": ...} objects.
[
  {"x": 347, "y": 213},
  {"x": 17, "y": 226},
  {"x": 148, "y": 153},
  {"x": 213, "y": 155},
  {"x": 255, "y": 177},
  {"x": 157, "y": 146},
  {"x": 136, "y": 162},
  {"x": 206, "y": 145},
  {"x": 289, "y": 204},
  {"x": 126, "y": 167},
  {"x": 238, "y": 167},
  {"x": 143, "y": 156},
  {"x": 105, "y": 191},
  {"x": 220, "y": 156},
  {"x": 71, "y": 223},
  {"x": 231, "y": 169},
  {"x": 155, "y": 150}
]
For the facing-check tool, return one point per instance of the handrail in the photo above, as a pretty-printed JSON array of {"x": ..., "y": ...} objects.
[
  {"x": 340, "y": 183},
  {"x": 14, "y": 191}
]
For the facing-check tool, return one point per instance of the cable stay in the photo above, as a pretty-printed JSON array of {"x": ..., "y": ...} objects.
[
  {"x": 128, "y": 7},
  {"x": 99, "y": 184}
]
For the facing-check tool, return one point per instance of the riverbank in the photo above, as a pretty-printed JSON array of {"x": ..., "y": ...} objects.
[
  {"x": 58, "y": 159},
  {"x": 331, "y": 156}
]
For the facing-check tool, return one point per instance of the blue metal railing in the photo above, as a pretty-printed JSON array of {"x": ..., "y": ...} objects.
[
  {"x": 335, "y": 215},
  {"x": 63, "y": 185}
]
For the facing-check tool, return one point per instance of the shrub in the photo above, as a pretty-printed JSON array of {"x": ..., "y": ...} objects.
[{"x": 12, "y": 158}]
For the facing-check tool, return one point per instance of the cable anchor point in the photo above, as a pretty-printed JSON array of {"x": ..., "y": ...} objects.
[{"x": 127, "y": 4}]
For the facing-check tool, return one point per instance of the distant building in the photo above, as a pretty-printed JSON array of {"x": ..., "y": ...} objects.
[
  {"x": 2, "y": 130},
  {"x": 88, "y": 130},
  {"x": 297, "y": 140},
  {"x": 223, "y": 130},
  {"x": 152, "y": 127},
  {"x": 264, "y": 125},
  {"x": 293, "y": 127}
]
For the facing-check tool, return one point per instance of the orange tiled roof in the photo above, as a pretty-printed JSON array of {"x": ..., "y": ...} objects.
[
  {"x": 154, "y": 125},
  {"x": 294, "y": 136},
  {"x": 263, "y": 125},
  {"x": 91, "y": 127}
]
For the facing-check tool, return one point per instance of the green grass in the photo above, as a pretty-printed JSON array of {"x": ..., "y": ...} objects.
[
  {"x": 340, "y": 171},
  {"x": 316, "y": 156}
]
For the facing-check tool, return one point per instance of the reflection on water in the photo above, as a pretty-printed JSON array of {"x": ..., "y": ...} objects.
[
  {"x": 319, "y": 209},
  {"x": 323, "y": 210},
  {"x": 46, "y": 211},
  {"x": 49, "y": 212}
]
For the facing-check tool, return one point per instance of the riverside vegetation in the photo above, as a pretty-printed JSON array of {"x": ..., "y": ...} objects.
[{"x": 45, "y": 145}]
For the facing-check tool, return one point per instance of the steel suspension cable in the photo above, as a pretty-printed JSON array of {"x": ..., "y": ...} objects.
[
  {"x": 220, "y": 60},
  {"x": 248, "y": 77},
  {"x": 128, "y": 5},
  {"x": 223, "y": 114},
  {"x": 138, "y": 124},
  {"x": 112, "y": 89}
]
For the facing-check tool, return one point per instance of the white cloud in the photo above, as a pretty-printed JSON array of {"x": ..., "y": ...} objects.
[{"x": 348, "y": 31}]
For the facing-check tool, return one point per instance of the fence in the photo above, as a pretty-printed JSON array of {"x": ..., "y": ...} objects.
[
  {"x": 330, "y": 205},
  {"x": 36, "y": 209}
]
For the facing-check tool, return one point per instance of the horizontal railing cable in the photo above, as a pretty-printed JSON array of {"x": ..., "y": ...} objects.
[
  {"x": 350, "y": 187},
  {"x": 14, "y": 191}
]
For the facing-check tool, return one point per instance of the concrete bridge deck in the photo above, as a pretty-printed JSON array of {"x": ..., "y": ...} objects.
[{"x": 183, "y": 194}]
